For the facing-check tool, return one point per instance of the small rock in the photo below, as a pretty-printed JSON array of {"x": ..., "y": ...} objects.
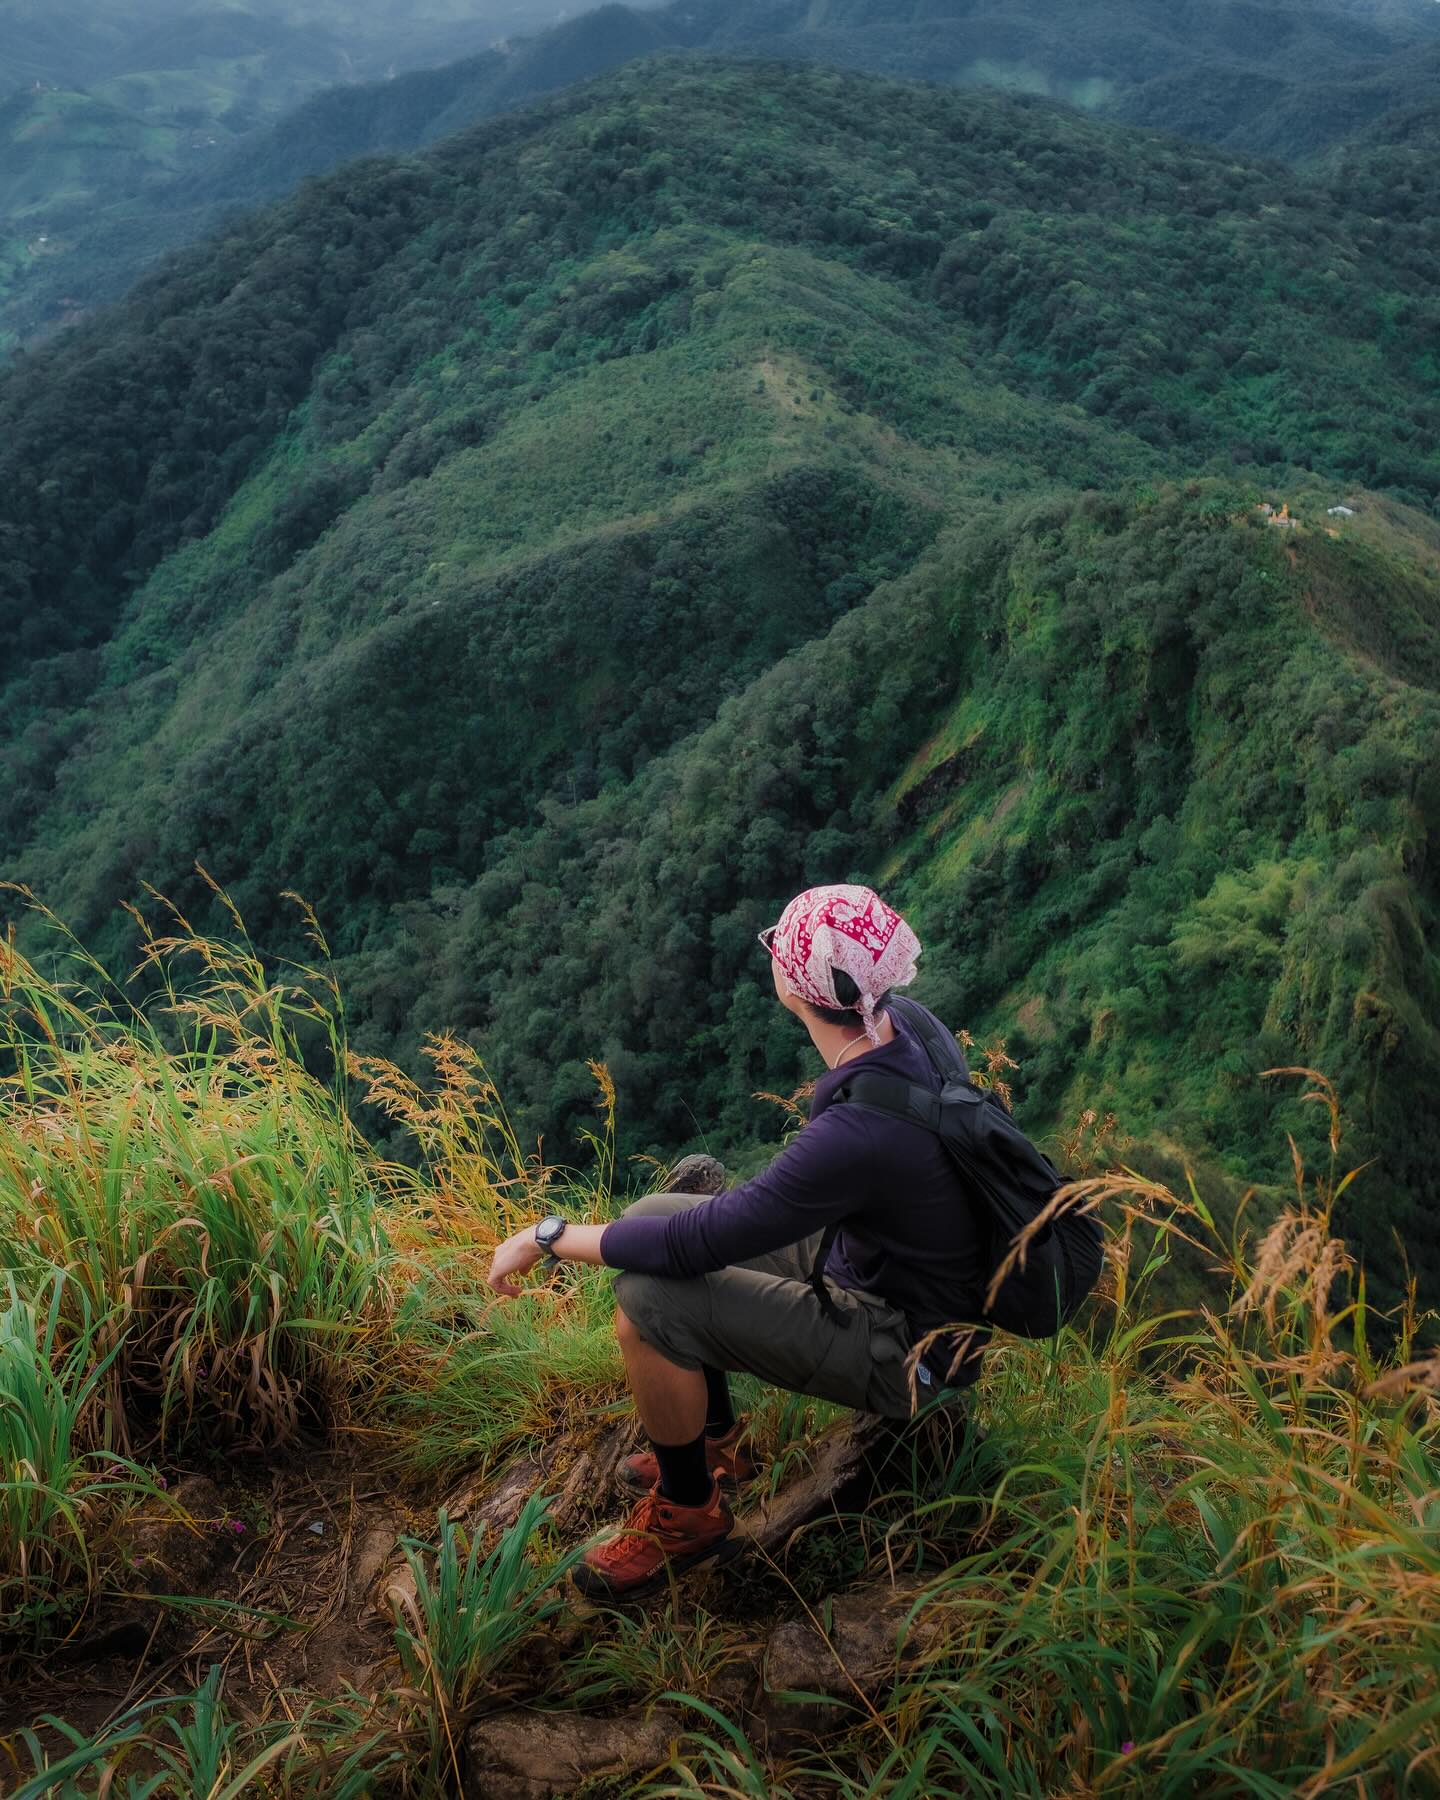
[
  {"x": 371, "y": 1555},
  {"x": 697, "y": 1175},
  {"x": 176, "y": 1544},
  {"x": 857, "y": 1654},
  {"x": 542, "y": 1756},
  {"x": 732, "y": 1686}
]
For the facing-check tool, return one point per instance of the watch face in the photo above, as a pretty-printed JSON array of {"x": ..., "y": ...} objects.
[{"x": 548, "y": 1230}]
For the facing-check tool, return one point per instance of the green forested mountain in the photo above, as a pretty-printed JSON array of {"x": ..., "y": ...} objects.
[
  {"x": 1289, "y": 78},
  {"x": 548, "y": 553}
]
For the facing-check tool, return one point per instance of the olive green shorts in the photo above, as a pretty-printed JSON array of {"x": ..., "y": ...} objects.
[{"x": 764, "y": 1318}]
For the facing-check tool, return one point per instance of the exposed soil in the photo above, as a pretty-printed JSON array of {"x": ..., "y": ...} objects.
[
  {"x": 283, "y": 1552},
  {"x": 300, "y": 1564}
]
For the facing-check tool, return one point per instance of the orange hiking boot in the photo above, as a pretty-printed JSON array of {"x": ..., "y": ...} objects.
[
  {"x": 729, "y": 1464},
  {"x": 658, "y": 1540}
]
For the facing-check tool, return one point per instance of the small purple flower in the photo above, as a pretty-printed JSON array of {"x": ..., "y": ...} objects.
[
  {"x": 237, "y": 1526},
  {"x": 1126, "y": 1747},
  {"x": 163, "y": 1482}
]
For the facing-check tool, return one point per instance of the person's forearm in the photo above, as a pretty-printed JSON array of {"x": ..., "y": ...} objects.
[
  {"x": 519, "y": 1254},
  {"x": 581, "y": 1244}
]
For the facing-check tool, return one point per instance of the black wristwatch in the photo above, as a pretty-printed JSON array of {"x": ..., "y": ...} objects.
[{"x": 548, "y": 1233}]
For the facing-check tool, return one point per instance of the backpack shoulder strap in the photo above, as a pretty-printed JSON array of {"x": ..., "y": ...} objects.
[
  {"x": 900, "y": 1099},
  {"x": 891, "y": 1094},
  {"x": 944, "y": 1053},
  {"x": 817, "y": 1271},
  {"x": 897, "y": 1099}
]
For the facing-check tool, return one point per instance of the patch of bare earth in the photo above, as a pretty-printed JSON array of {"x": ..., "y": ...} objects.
[
  {"x": 298, "y": 1604},
  {"x": 265, "y": 1571}
]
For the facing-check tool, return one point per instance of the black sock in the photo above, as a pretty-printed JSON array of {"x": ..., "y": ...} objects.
[
  {"x": 685, "y": 1474},
  {"x": 719, "y": 1413}
]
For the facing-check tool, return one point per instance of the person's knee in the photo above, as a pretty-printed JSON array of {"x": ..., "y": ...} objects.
[
  {"x": 636, "y": 1300},
  {"x": 660, "y": 1206},
  {"x": 649, "y": 1311}
]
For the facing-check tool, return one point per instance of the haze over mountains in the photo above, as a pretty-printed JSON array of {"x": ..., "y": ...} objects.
[
  {"x": 155, "y": 130},
  {"x": 108, "y": 105},
  {"x": 548, "y": 552}
]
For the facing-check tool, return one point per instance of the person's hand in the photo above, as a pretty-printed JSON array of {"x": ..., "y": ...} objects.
[{"x": 516, "y": 1256}]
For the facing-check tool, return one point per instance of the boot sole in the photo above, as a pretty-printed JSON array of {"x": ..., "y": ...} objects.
[{"x": 595, "y": 1587}]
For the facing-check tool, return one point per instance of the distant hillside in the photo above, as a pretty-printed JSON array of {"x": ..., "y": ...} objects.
[
  {"x": 54, "y": 141},
  {"x": 548, "y": 552},
  {"x": 1289, "y": 78},
  {"x": 1392, "y": 169},
  {"x": 102, "y": 104}
]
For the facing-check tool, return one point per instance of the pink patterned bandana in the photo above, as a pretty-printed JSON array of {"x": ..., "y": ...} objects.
[{"x": 849, "y": 928}]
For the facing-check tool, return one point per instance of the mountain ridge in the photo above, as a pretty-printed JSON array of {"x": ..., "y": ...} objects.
[
  {"x": 608, "y": 508},
  {"x": 1225, "y": 76}
]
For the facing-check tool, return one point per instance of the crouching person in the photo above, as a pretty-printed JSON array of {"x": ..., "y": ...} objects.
[{"x": 818, "y": 1275}]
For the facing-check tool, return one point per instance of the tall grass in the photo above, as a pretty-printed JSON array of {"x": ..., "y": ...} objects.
[
  {"x": 202, "y": 1248},
  {"x": 1194, "y": 1552},
  {"x": 468, "y": 1376},
  {"x": 201, "y": 1190},
  {"x": 55, "y": 1494}
]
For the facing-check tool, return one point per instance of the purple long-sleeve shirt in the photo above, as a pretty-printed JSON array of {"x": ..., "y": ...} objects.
[{"x": 908, "y": 1232}]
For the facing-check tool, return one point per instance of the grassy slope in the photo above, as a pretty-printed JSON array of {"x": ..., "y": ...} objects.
[{"x": 1206, "y": 1534}]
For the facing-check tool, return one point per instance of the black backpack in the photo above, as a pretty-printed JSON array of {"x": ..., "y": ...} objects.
[{"x": 1003, "y": 1173}]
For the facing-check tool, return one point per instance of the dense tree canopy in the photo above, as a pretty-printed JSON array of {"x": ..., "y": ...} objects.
[
  {"x": 720, "y": 479},
  {"x": 1291, "y": 79}
]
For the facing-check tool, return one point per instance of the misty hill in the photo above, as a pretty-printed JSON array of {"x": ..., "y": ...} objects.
[
  {"x": 1283, "y": 79},
  {"x": 107, "y": 111},
  {"x": 549, "y": 552},
  {"x": 74, "y": 43},
  {"x": 1288, "y": 79}
]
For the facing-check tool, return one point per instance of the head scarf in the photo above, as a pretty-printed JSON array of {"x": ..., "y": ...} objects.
[{"x": 849, "y": 928}]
